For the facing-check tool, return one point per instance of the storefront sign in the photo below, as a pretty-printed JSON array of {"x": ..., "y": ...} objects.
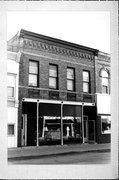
[{"x": 103, "y": 104}]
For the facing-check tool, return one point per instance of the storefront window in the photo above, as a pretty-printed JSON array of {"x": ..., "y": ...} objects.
[
  {"x": 72, "y": 127},
  {"x": 106, "y": 124}
]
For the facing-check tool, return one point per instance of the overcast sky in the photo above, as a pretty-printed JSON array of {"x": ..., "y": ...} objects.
[{"x": 91, "y": 29}]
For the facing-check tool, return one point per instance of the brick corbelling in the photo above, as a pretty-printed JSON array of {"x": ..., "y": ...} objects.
[
  {"x": 40, "y": 55},
  {"x": 45, "y": 47}
]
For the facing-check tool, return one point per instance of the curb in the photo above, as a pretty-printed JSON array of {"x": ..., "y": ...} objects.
[{"x": 56, "y": 154}]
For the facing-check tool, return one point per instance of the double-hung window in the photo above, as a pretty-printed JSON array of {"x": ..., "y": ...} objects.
[
  {"x": 11, "y": 86},
  {"x": 70, "y": 79},
  {"x": 86, "y": 81},
  {"x": 53, "y": 76},
  {"x": 105, "y": 79},
  {"x": 33, "y": 73}
]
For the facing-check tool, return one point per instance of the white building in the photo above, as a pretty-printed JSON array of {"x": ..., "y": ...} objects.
[{"x": 12, "y": 94}]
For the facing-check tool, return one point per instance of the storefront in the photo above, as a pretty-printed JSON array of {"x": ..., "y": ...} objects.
[
  {"x": 103, "y": 118},
  {"x": 47, "y": 122}
]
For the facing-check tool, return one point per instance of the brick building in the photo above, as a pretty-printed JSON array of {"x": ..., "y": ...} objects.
[{"x": 60, "y": 88}]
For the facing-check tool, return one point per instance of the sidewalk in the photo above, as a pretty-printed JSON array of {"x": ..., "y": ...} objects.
[{"x": 42, "y": 151}]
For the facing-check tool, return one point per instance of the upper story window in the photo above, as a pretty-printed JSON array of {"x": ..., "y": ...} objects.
[
  {"x": 33, "y": 73},
  {"x": 86, "y": 81},
  {"x": 11, "y": 86},
  {"x": 53, "y": 76},
  {"x": 105, "y": 81},
  {"x": 70, "y": 79}
]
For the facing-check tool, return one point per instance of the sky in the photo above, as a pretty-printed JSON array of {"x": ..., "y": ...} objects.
[{"x": 87, "y": 28}]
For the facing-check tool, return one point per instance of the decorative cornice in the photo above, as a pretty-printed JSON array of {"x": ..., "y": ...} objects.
[
  {"x": 56, "y": 49},
  {"x": 103, "y": 58}
]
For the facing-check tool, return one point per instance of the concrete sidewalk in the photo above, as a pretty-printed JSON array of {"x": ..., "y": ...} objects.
[{"x": 42, "y": 151}]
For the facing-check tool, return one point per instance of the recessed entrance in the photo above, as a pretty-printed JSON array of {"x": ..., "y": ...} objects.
[{"x": 85, "y": 121}]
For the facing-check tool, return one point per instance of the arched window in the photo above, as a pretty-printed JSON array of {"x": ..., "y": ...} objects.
[{"x": 105, "y": 81}]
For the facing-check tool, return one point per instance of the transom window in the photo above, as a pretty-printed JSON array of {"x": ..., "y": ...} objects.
[
  {"x": 11, "y": 86},
  {"x": 105, "y": 80},
  {"x": 53, "y": 76},
  {"x": 70, "y": 79},
  {"x": 33, "y": 73},
  {"x": 86, "y": 81}
]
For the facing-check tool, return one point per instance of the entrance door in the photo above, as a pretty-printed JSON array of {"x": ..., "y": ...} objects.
[
  {"x": 85, "y": 125},
  {"x": 24, "y": 130},
  {"x": 91, "y": 129}
]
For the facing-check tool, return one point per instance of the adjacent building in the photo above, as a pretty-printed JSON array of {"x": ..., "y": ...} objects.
[
  {"x": 12, "y": 93},
  {"x": 62, "y": 88}
]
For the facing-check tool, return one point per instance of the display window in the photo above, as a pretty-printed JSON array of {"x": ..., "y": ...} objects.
[{"x": 105, "y": 124}]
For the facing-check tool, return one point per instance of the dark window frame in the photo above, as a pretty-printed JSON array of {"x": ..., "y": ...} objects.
[
  {"x": 107, "y": 79},
  {"x": 56, "y": 78},
  {"x": 73, "y": 80},
  {"x": 37, "y": 62},
  {"x": 11, "y": 134},
  {"x": 87, "y": 82}
]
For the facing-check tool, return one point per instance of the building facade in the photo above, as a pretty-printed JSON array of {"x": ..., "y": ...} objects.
[
  {"x": 60, "y": 85},
  {"x": 12, "y": 93}
]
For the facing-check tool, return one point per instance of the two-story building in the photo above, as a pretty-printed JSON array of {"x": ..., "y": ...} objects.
[
  {"x": 58, "y": 91},
  {"x": 12, "y": 93}
]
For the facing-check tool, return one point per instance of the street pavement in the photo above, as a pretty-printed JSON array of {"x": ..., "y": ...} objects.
[
  {"x": 73, "y": 158},
  {"x": 26, "y": 153}
]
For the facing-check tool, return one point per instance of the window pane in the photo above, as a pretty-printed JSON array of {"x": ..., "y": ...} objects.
[
  {"x": 32, "y": 80},
  {"x": 33, "y": 67},
  {"x": 104, "y": 89},
  {"x": 52, "y": 83},
  {"x": 11, "y": 129},
  {"x": 106, "y": 124},
  {"x": 70, "y": 73},
  {"x": 10, "y": 91},
  {"x": 104, "y": 73},
  {"x": 86, "y": 76},
  {"x": 85, "y": 87},
  {"x": 105, "y": 81},
  {"x": 11, "y": 80},
  {"x": 70, "y": 85},
  {"x": 53, "y": 71}
]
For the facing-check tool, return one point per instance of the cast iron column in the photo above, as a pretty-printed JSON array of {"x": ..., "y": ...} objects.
[
  {"x": 37, "y": 144},
  {"x": 61, "y": 123},
  {"x": 82, "y": 124}
]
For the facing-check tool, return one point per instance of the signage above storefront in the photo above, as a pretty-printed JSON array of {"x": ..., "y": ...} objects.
[{"x": 103, "y": 104}]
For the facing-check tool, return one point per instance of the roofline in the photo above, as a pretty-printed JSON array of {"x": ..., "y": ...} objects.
[
  {"x": 103, "y": 53},
  {"x": 36, "y": 35}
]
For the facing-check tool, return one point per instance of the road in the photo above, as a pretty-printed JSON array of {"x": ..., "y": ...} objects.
[{"x": 80, "y": 158}]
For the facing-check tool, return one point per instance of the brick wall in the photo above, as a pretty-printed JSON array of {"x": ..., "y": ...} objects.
[{"x": 29, "y": 52}]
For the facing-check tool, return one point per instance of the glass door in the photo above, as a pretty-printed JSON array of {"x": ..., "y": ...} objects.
[
  {"x": 24, "y": 130},
  {"x": 85, "y": 122},
  {"x": 91, "y": 128}
]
